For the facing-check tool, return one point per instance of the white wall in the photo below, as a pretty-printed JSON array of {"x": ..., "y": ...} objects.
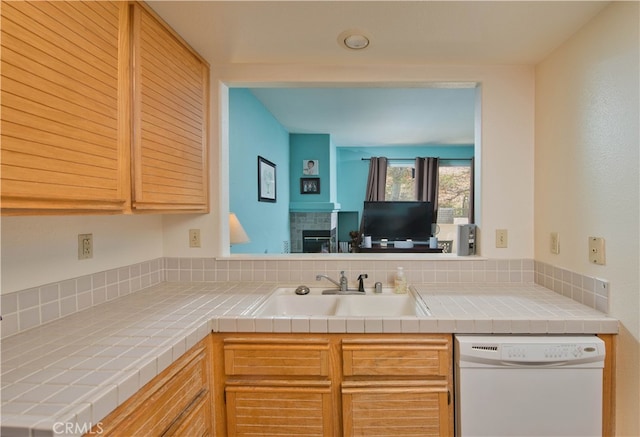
[
  {"x": 587, "y": 173},
  {"x": 40, "y": 250}
]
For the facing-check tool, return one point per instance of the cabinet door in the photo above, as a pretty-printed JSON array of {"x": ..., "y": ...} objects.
[
  {"x": 64, "y": 87},
  {"x": 397, "y": 386},
  {"x": 277, "y": 385},
  {"x": 396, "y": 409},
  {"x": 170, "y": 119},
  {"x": 177, "y": 399},
  {"x": 280, "y": 409},
  {"x": 196, "y": 421}
]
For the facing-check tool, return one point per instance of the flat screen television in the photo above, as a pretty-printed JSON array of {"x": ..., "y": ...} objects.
[{"x": 398, "y": 220}]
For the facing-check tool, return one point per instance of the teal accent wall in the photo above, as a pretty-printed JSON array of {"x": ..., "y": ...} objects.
[
  {"x": 254, "y": 131},
  {"x": 353, "y": 171},
  {"x": 319, "y": 148}
]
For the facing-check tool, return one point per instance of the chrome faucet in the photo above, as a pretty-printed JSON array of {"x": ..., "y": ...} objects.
[{"x": 343, "y": 285}]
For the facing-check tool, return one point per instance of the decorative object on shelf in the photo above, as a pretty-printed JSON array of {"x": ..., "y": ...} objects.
[
  {"x": 355, "y": 240},
  {"x": 237, "y": 235},
  {"x": 310, "y": 167},
  {"x": 445, "y": 245},
  {"x": 266, "y": 180},
  {"x": 309, "y": 185}
]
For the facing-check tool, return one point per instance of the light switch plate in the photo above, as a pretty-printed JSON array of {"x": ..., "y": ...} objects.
[
  {"x": 194, "y": 237},
  {"x": 596, "y": 250},
  {"x": 501, "y": 238}
]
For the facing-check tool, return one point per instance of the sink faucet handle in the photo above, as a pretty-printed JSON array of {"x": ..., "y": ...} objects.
[{"x": 361, "y": 279}]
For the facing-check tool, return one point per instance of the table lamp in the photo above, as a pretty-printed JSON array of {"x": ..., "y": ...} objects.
[{"x": 237, "y": 235}]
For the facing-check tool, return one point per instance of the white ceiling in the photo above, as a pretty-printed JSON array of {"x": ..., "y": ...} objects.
[
  {"x": 401, "y": 32},
  {"x": 376, "y": 116}
]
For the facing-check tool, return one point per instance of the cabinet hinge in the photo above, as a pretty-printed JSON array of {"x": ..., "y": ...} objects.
[{"x": 448, "y": 397}]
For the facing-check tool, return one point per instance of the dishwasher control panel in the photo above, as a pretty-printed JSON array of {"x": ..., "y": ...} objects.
[{"x": 547, "y": 352}]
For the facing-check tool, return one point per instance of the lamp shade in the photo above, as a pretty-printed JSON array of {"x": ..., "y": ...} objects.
[{"x": 237, "y": 235}]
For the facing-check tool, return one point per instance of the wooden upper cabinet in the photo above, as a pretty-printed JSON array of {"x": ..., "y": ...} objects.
[
  {"x": 170, "y": 119},
  {"x": 64, "y": 106},
  {"x": 104, "y": 110}
]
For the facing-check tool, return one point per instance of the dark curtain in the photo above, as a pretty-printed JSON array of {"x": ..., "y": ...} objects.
[
  {"x": 376, "y": 184},
  {"x": 377, "y": 180},
  {"x": 426, "y": 180}
]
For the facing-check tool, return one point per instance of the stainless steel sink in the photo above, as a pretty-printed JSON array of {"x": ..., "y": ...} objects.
[{"x": 284, "y": 302}]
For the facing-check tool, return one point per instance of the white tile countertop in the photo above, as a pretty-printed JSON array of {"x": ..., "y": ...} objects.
[{"x": 80, "y": 368}]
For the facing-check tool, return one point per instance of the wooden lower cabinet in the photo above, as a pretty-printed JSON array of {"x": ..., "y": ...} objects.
[
  {"x": 333, "y": 385},
  {"x": 397, "y": 386},
  {"x": 398, "y": 408},
  {"x": 279, "y": 408},
  {"x": 308, "y": 385},
  {"x": 609, "y": 385},
  {"x": 196, "y": 420},
  {"x": 177, "y": 402}
]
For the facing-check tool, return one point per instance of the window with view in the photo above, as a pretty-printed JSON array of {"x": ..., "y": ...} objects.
[{"x": 454, "y": 192}]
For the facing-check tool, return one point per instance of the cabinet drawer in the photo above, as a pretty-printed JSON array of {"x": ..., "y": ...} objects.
[
  {"x": 394, "y": 409},
  {"x": 288, "y": 358},
  {"x": 303, "y": 410},
  {"x": 412, "y": 357}
]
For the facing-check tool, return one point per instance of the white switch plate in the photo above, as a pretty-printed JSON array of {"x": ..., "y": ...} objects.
[
  {"x": 555, "y": 243},
  {"x": 501, "y": 238},
  {"x": 596, "y": 250},
  {"x": 194, "y": 237}
]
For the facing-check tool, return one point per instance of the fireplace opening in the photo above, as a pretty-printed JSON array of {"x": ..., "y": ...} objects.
[{"x": 316, "y": 241}]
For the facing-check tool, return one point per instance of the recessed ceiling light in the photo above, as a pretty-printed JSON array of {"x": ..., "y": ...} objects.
[
  {"x": 353, "y": 39},
  {"x": 356, "y": 42}
]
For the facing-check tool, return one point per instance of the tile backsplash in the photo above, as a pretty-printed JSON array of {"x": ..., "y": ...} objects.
[
  {"x": 304, "y": 271},
  {"x": 590, "y": 291},
  {"x": 32, "y": 307},
  {"x": 29, "y": 308}
]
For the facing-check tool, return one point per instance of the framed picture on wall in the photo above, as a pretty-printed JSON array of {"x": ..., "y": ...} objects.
[
  {"x": 310, "y": 167},
  {"x": 266, "y": 180},
  {"x": 309, "y": 185}
]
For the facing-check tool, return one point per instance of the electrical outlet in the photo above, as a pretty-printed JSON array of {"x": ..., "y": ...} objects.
[
  {"x": 596, "y": 250},
  {"x": 194, "y": 237},
  {"x": 555, "y": 243},
  {"x": 501, "y": 238},
  {"x": 85, "y": 246}
]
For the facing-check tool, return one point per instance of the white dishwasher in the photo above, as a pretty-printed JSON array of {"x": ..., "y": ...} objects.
[{"x": 528, "y": 385}]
